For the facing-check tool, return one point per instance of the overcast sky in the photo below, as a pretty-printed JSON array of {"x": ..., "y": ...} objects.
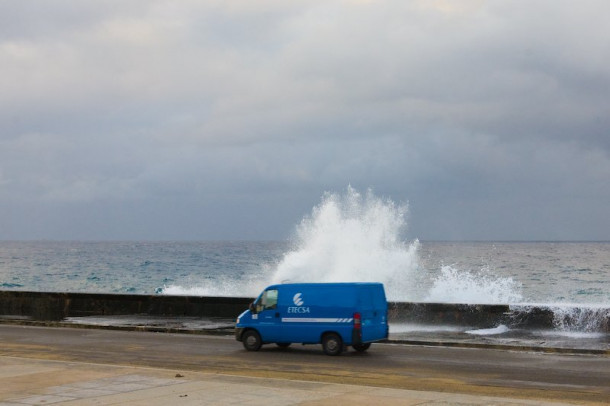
[{"x": 216, "y": 120}]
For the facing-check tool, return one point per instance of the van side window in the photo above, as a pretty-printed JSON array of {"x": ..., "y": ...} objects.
[{"x": 268, "y": 300}]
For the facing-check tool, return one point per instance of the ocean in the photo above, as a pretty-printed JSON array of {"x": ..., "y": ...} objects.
[{"x": 550, "y": 273}]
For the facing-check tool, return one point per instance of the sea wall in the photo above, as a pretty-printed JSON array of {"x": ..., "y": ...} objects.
[
  {"x": 565, "y": 318},
  {"x": 57, "y": 306},
  {"x": 54, "y": 306},
  {"x": 448, "y": 314}
]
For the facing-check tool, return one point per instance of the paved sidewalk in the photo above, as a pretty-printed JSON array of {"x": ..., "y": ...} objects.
[{"x": 25, "y": 381}]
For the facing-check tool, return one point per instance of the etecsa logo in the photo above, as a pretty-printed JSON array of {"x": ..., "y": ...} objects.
[{"x": 298, "y": 307}]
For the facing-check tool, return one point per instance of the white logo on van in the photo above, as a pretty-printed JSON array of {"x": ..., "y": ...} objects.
[
  {"x": 298, "y": 300},
  {"x": 298, "y": 305}
]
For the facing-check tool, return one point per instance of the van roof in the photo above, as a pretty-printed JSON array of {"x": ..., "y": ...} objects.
[{"x": 330, "y": 284}]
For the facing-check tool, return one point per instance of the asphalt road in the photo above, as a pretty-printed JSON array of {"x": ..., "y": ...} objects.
[{"x": 566, "y": 378}]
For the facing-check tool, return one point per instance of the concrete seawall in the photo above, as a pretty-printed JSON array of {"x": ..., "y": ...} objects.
[
  {"x": 54, "y": 306},
  {"x": 570, "y": 318}
]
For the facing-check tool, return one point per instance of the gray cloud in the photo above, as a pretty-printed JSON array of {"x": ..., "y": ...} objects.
[{"x": 229, "y": 120}]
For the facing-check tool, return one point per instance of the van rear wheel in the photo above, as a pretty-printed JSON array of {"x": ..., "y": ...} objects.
[
  {"x": 361, "y": 347},
  {"x": 252, "y": 340},
  {"x": 332, "y": 344}
]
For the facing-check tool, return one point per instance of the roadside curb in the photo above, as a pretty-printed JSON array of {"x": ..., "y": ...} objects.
[
  {"x": 143, "y": 328},
  {"x": 503, "y": 347}
]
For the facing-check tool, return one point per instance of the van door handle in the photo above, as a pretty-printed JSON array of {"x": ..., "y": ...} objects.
[{"x": 277, "y": 314}]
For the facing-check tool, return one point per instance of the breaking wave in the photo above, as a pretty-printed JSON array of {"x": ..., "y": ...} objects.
[
  {"x": 355, "y": 237},
  {"x": 563, "y": 318},
  {"x": 352, "y": 237}
]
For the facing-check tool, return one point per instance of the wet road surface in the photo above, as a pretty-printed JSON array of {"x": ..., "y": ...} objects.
[{"x": 528, "y": 375}]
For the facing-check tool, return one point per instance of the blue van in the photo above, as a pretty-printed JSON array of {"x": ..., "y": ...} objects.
[{"x": 333, "y": 314}]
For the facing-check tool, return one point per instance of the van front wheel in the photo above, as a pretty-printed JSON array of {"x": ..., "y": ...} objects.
[
  {"x": 332, "y": 344},
  {"x": 252, "y": 340}
]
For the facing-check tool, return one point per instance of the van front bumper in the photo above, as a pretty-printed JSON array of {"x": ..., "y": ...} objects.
[{"x": 238, "y": 333}]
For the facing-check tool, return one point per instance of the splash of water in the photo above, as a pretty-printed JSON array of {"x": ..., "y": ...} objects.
[
  {"x": 352, "y": 237},
  {"x": 248, "y": 285},
  {"x": 570, "y": 320},
  {"x": 455, "y": 286},
  {"x": 501, "y": 329},
  {"x": 581, "y": 318}
]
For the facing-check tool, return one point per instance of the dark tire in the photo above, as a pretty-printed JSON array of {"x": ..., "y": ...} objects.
[
  {"x": 252, "y": 340},
  {"x": 332, "y": 344},
  {"x": 283, "y": 345},
  {"x": 361, "y": 347}
]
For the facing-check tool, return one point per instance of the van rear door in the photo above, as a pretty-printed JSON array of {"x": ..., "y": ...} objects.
[{"x": 373, "y": 307}]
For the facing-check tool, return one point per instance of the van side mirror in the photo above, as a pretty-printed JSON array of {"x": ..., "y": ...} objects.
[{"x": 252, "y": 308}]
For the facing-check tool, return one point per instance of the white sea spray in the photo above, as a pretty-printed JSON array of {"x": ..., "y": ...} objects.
[
  {"x": 353, "y": 237},
  {"x": 483, "y": 287}
]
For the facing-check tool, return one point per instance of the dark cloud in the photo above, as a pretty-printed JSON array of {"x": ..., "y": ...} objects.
[{"x": 229, "y": 120}]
